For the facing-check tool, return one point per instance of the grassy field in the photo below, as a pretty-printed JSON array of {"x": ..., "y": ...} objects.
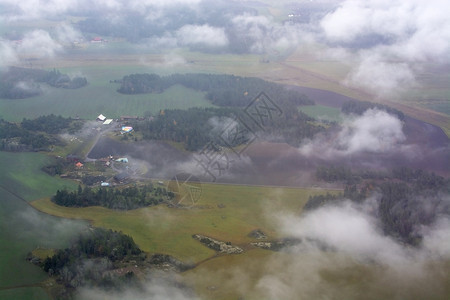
[
  {"x": 428, "y": 102},
  {"x": 96, "y": 98},
  {"x": 22, "y": 228},
  {"x": 35, "y": 293},
  {"x": 167, "y": 230}
]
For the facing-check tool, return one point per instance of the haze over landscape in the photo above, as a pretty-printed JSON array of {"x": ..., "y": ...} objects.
[{"x": 209, "y": 149}]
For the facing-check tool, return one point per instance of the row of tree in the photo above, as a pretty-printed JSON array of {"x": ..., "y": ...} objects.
[
  {"x": 114, "y": 198},
  {"x": 359, "y": 107},
  {"x": 221, "y": 90},
  {"x": 417, "y": 178}
]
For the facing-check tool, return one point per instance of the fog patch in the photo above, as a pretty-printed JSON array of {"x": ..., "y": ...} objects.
[
  {"x": 202, "y": 35},
  {"x": 65, "y": 33},
  {"x": 48, "y": 230},
  {"x": 8, "y": 55},
  {"x": 435, "y": 237},
  {"x": 157, "y": 286},
  {"x": 382, "y": 78},
  {"x": 173, "y": 59},
  {"x": 347, "y": 228},
  {"x": 40, "y": 44}
]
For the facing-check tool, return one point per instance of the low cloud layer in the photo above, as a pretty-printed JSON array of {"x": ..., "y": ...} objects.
[
  {"x": 385, "y": 43},
  {"x": 375, "y": 131},
  {"x": 158, "y": 286},
  {"x": 37, "y": 44},
  {"x": 387, "y": 39},
  {"x": 202, "y": 35}
]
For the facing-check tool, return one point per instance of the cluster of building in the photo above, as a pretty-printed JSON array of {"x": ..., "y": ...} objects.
[{"x": 123, "y": 120}]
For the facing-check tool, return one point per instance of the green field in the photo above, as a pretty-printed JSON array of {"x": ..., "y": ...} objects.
[
  {"x": 34, "y": 293},
  {"x": 90, "y": 101},
  {"x": 324, "y": 113},
  {"x": 22, "y": 228},
  {"x": 168, "y": 230}
]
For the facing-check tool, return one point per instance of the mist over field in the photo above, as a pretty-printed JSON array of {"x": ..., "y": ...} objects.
[{"x": 378, "y": 50}]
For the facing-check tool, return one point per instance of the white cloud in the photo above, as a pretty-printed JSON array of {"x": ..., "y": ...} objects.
[
  {"x": 397, "y": 35},
  {"x": 8, "y": 54},
  {"x": 265, "y": 35},
  {"x": 202, "y": 35},
  {"x": 35, "y": 9},
  {"x": 38, "y": 43},
  {"x": 65, "y": 33},
  {"x": 159, "y": 287},
  {"x": 375, "y": 131},
  {"x": 380, "y": 77},
  {"x": 346, "y": 228}
]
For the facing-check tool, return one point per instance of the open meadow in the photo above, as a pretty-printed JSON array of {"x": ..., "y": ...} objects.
[{"x": 224, "y": 212}]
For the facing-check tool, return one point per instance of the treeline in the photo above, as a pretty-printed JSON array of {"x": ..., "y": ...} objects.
[
  {"x": 34, "y": 135},
  {"x": 123, "y": 199},
  {"x": 359, "y": 107},
  {"x": 417, "y": 178},
  {"x": 51, "y": 124},
  {"x": 406, "y": 199},
  {"x": 20, "y": 83},
  {"x": 91, "y": 258},
  {"x": 196, "y": 127},
  {"x": 221, "y": 90}
]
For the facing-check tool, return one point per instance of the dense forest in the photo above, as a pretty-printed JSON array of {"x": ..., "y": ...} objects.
[
  {"x": 406, "y": 198},
  {"x": 114, "y": 198},
  {"x": 221, "y": 90},
  {"x": 20, "y": 83},
  {"x": 91, "y": 258},
  {"x": 35, "y": 135},
  {"x": 196, "y": 127}
]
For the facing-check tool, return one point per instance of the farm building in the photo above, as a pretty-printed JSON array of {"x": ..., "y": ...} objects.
[
  {"x": 122, "y": 159},
  {"x": 79, "y": 165},
  {"x": 97, "y": 39},
  {"x": 127, "y": 129},
  {"x": 107, "y": 121},
  {"x": 104, "y": 184},
  {"x": 101, "y": 118}
]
